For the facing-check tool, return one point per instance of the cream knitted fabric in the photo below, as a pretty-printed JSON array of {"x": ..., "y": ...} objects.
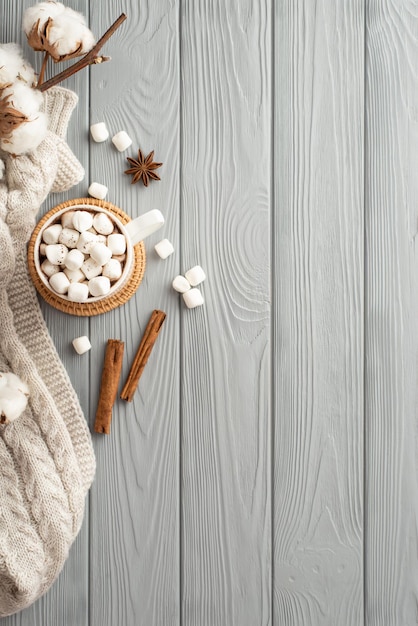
[{"x": 46, "y": 457}]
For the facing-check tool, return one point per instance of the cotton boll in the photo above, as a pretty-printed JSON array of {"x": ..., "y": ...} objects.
[
  {"x": 27, "y": 136},
  {"x": 42, "y": 12},
  {"x": 13, "y": 397},
  {"x": 13, "y": 66},
  {"x": 30, "y": 133},
  {"x": 14, "y": 382},
  {"x": 3, "y": 380},
  {"x": 27, "y": 74},
  {"x": 23, "y": 98},
  {"x": 68, "y": 34},
  {"x": 12, "y": 404}
]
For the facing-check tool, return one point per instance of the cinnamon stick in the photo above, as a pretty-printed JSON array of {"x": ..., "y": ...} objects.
[
  {"x": 89, "y": 59},
  {"x": 112, "y": 369},
  {"x": 145, "y": 347}
]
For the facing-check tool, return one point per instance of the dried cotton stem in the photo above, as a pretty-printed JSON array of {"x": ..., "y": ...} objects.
[{"x": 89, "y": 59}]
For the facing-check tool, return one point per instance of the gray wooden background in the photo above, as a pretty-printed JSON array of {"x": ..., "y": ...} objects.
[{"x": 266, "y": 471}]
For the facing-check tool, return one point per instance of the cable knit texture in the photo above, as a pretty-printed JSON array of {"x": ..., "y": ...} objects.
[{"x": 46, "y": 456}]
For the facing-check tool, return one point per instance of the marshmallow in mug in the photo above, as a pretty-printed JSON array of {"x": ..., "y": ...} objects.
[
  {"x": 56, "y": 253},
  {"x": 69, "y": 237},
  {"x": 59, "y": 283},
  {"x": 103, "y": 224},
  {"x": 82, "y": 220},
  {"x": 67, "y": 219},
  {"x": 99, "y": 286},
  {"x": 51, "y": 234},
  {"x": 74, "y": 276},
  {"x": 78, "y": 292},
  {"x": 117, "y": 243},
  {"x": 91, "y": 268},
  {"x": 112, "y": 269},
  {"x": 101, "y": 253},
  {"x": 49, "y": 269},
  {"x": 74, "y": 260},
  {"x": 86, "y": 241}
]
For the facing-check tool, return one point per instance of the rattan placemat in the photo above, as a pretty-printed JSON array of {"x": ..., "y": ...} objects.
[{"x": 97, "y": 307}]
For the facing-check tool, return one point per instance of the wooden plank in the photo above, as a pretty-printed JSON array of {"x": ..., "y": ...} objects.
[
  {"x": 67, "y": 602},
  {"x": 391, "y": 306},
  {"x": 319, "y": 307},
  {"x": 225, "y": 160},
  {"x": 135, "y": 507}
]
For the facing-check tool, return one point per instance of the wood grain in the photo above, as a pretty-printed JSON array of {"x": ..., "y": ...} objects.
[
  {"x": 391, "y": 320},
  {"x": 266, "y": 472},
  {"x": 225, "y": 227},
  {"x": 318, "y": 313},
  {"x": 134, "y": 542}
]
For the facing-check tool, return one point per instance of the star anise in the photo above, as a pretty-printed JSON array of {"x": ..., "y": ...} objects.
[{"x": 143, "y": 167}]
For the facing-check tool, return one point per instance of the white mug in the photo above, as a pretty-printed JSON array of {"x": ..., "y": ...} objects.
[{"x": 134, "y": 231}]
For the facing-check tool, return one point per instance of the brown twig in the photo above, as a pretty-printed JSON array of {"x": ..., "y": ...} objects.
[
  {"x": 89, "y": 59},
  {"x": 43, "y": 68},
  {"x": 147, "y": 343},
  {"x": 109, "y": 385}
]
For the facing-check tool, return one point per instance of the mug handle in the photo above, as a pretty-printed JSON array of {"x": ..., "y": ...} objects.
[{"x": 144, "y": 225}]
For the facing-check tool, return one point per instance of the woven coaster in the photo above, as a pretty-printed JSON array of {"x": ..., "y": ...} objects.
[{"x": 97, "y": 307}]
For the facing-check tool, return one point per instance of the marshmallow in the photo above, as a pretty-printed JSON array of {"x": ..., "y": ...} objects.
[
  {"x": 112, "y": 269},
  {"x": 99, "y": 286},
  {"x": 101, "y": 253},
  {"x": 59, "y": 283},
  {"x": 74, "y": 260},
  {"x": 195, "y": 275},
  {"x": 82, "y": 220},
  {"x": 56, "y": 253},
  {"x": 69, "y": 237},
  {"x": 164, "y": 248},
  {"x": 49, "y": 269},
  {"x": 103, "y": 224},
  {"x": 101, "y": 239},
  {"x": 117, "y": 243},
  {"x": 42, "y": 249},
  {"x": 121, "y": 140},
  {"x": 98, "y": 191},
  {"x": 193, "y": 298},
  {"x": 86, "y": 241},
  {"x": 181, "y": 284},
  {"x": 52, "y": 233},
  {"x": 119, "y": 257},
  {"x": 78, "y": 292},
  {"x": 99, "y": 132},
  {"x": 74, "y": 276},
  {"x": 67, "y": 219},
  {"x": 90, "y": 268},
  {"x": 81, "y": 344}
]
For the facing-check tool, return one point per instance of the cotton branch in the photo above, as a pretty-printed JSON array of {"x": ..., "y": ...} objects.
[{"x": 91, "y": 58}]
